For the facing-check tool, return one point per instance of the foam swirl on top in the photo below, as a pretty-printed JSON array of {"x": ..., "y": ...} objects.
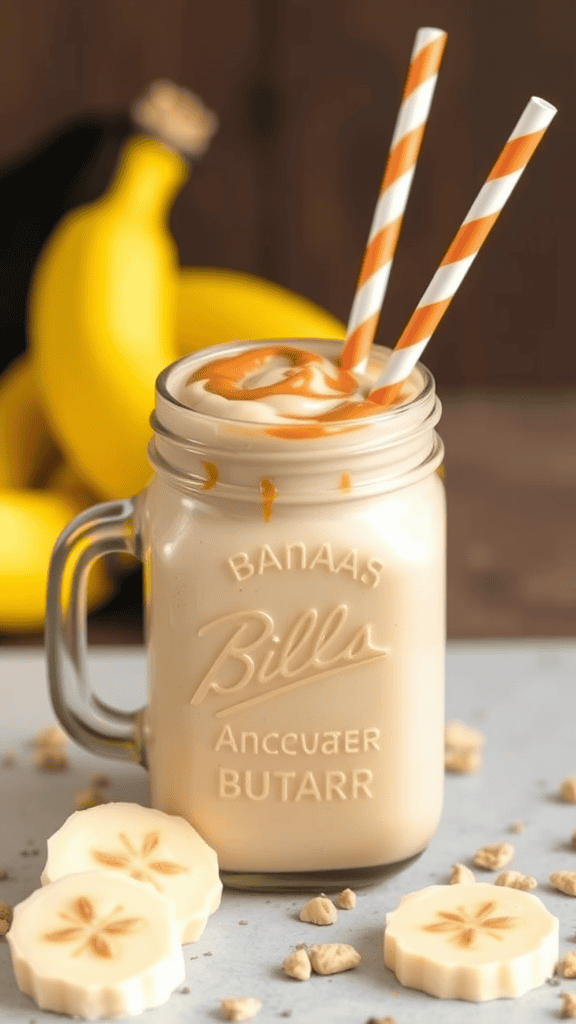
[{"x": 293, "y": 390}]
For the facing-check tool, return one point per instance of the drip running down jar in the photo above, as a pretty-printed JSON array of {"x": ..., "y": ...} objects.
[{"x": 294, "y": 606}]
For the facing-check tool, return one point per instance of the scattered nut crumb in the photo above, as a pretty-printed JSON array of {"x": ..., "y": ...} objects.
[
  {"x": 568, "y": 789},
  {"x": 89, "y": 798},
  {"x": 460, "y": 873},
  {"x": 243, "y": 1008},
  {"x": 567, "y": 966},
  {"x": 285, "y": 1013},
  {"x": 297, "y": 964},
  {"x": 517, "y": 827},
  {"x": 346, "y": 899},
  {"x": 99, "y": 781},
  {"x": 565, "y": 881},
  {"x": 6, "y": 912},
  {"x": 457, "y": 734},
  {"x": 7, "y": 760},
  {"x": 568, "y": 1008},
  {"x": 51, "y": 744},
  {"x": 516, "y": 880},
  {"x": 51, "y": 736},
  {"x": 493, "y": 856},
  {"x": 381, "y": 1020},
  {"x": 243, "y": 922},
  {"x": 3, "y": 874},
  {"x": 573, "y": 840},
  {"x": 461, "y": 760},
  {"x": 462, "y": 746},
  {"x": 333, "y": 957},
  {"x": 184, "y": 991},
  {"x": 51, "y": 759},
  {"x": 319, "y": 910}
]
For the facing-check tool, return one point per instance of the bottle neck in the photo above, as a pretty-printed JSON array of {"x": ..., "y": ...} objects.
[{"x": 149, "y": 177}]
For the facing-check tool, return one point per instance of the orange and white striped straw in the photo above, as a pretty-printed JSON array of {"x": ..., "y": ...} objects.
[
  {"x": 387, "y": 220},
  {"x": 471, "y": 235}
]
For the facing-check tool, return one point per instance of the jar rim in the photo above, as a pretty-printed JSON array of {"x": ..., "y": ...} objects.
[{"x": 398, "y": 420}]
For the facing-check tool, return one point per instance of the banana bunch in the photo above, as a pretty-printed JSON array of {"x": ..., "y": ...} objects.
[
  {"x": 39, "y": 494},
  {"x": 109, "y": 307}
]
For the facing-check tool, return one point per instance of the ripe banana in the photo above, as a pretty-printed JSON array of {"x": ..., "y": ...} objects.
[
  {"x": 215, "y": 306},
  {"x": 30, "y": 522},
  {"x": 102, "y": 318},
  {"x": 27, "y": 451},
  {"x": 30, "y": 517}
]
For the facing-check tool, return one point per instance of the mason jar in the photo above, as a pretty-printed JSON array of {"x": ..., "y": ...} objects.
[{"x": 294, "y": 592}]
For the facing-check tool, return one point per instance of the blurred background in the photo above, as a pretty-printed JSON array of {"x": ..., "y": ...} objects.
[{"x": 307, "y": 94}]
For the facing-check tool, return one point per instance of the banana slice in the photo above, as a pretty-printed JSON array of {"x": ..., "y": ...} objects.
[
  {"x": 96, "y": 945},
  {"x": 471, "y": 941},
  {"x": 160, "y": 849}
]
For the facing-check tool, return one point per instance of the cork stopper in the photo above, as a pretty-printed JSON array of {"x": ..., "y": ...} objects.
[{"x": 176, "y": 116}]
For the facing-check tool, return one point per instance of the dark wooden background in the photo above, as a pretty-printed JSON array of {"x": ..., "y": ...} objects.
[{"x": 307, "y": 92}]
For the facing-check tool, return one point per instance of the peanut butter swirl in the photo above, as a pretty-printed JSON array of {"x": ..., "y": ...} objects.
[{"x": 307, "y": 375}]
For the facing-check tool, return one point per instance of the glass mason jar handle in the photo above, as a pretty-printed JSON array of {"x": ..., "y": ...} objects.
[{"x": 95, "y": 725}]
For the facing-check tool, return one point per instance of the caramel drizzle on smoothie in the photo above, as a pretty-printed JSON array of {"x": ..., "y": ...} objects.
[
  {"x": 269, "y": 495},
  {"x": 212, "y": 476},
  {"x": 225, "y": 377}
]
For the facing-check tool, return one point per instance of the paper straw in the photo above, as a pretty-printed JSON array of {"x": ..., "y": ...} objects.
[
  {"x": 387, "y": 220},
  {"x": 471, "y": 235}
]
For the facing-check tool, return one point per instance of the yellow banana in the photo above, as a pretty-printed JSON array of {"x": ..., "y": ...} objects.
[
  {"x": 215, "y": 306},
  {"x": 27, "y": 451},
  {"x": 102, "y": 318},
  {"x": 30, "y": 522},
  {"x": 31, "y": 518}
]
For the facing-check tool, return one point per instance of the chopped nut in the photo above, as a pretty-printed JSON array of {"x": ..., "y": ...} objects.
[
  {"x": 333, "y": 957},
  {"x": 462, "y": 745},
  {"x": 381, "y": 1020},
  {"x": 565, "y": 881},
  {"x": 89, "y": 798},
  {"x": 52, "y": 736},
  {"x": 568, "y": 1008},
  {"x": 346, "y": 899},
  {"x": 460, "y": 873},
  {"x": 573, "y": 840},
  {"x": 6, "y": 912},
  {"x": 243, "y": 1008},
  {"x": 517, "y": 827},
  {"x": 493, "y": 856},
  {"x": 297, "y": 964},
  {"x": 516, "y": 880},
  {"x": 567, "y": 966},
  {"x": 457, "y": 734},
  {"x": 568, "y": 790},
  {"x": 3, "y": 874},
  {"x": 459, "y": 759},
  {"x": 319, "y": 910},
  {"x": 51, "y": 759}
]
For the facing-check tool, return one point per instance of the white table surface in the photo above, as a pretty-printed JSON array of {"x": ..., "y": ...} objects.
[{"x": 521, "y": 694}]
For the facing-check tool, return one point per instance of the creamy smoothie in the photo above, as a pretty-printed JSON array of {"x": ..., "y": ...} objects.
[{"x": 293, "y": 541}]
